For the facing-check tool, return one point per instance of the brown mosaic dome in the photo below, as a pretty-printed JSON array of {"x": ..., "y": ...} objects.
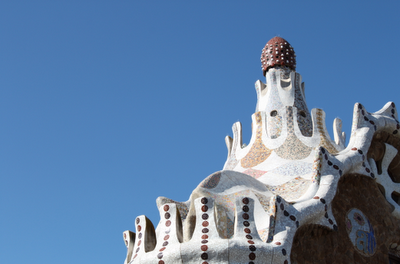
[{"x": 277, "y": 51}]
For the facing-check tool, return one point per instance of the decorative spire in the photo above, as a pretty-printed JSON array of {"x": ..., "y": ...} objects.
[{"x": 277, "y": 51}]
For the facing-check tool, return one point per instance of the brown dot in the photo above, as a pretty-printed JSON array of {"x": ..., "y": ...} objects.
[
  {"x": 140, "y": 242},
  {"x": 161, "y": 262},
  {"x": 246, "y": 223},
  {"x": 278, "y": 243},
  {"x": 204, "y": 262},
  {"x": 204, "y": 200},
  {"x": 204, "y": 237},
  {"x": 205, "y": 223},
  {"x": 162, "y": 249},
  {"x": 204, "y": 208},
  {"x": 282, "y": 206},
  {"x": 336, "y": 167},
  {"x": 166, "y": 207},
  {"x": 247, "y": 230},
  {"x": 330, "y": 221},
  {"x": 368, "y": 170},
  {"x": 205, "y": 230},
  {"x": 250, "y": 241},
  {"x": 292, "y": 217},
  {"x": 166, "y": 237},
  {"x": 285, "y": 213},
  {"x": 205, "y": 241},
  {"x": 204, "y": 216},
  {"x": 204, "y": 256},
  {"x": 252, "y": 256},
  {"x": 252, "y": 248},
  {"x": 245, "y": 200},
  {"x": 167, "y": 215},
  {"x": 245, "y": 216},
  {"x": 204, "y": 248},
  {"x": 354, "y": 149},
  {"x": 245, "y": 208},
  {"x": 285, "y": 262},
  {"x": 168, "y": 223},
  {"x": 139, "y": 228},
  {"x": 316, "y": 197}
]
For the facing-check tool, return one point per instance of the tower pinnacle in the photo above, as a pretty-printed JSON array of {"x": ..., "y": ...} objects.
[{"x": 277, "y": 51}]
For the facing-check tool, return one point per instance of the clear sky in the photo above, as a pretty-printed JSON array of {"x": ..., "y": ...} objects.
[{"x": 106, "y": 105}]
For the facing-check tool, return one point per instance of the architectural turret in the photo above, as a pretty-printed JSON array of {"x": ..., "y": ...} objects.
[{"x": 292, "y": 195}]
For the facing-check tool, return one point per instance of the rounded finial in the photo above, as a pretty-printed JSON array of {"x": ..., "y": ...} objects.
[{"x": 277, "y": 51}]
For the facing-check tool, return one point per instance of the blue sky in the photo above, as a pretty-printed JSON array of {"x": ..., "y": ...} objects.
[{"x": 106, "y": 105}]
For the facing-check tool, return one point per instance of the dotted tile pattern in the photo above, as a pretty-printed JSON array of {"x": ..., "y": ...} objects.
[
  {"x": 205, "y": 230},
  {"x": 292, "y": 148},
  {"x": 294, "y": 168},
  {"x": 274, "y": 127},
  {"x": 258, "y": 152},
  {"x": 303, "y": 115},
  {"x": 211, "y": 181},
  {"x": 167, "y": 231},
  {"x": 182, "y": 206},
  {"x": 254, "y": 173},
  {"x": 291, "y": 190},
  {"x": 325, "y": 139}
]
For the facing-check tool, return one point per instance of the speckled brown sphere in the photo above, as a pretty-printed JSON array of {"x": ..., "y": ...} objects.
[{"x": 277, "y": 51}]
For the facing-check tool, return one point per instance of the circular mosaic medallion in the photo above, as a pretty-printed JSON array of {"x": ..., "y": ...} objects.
[{"x": 360, "y": 232}]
